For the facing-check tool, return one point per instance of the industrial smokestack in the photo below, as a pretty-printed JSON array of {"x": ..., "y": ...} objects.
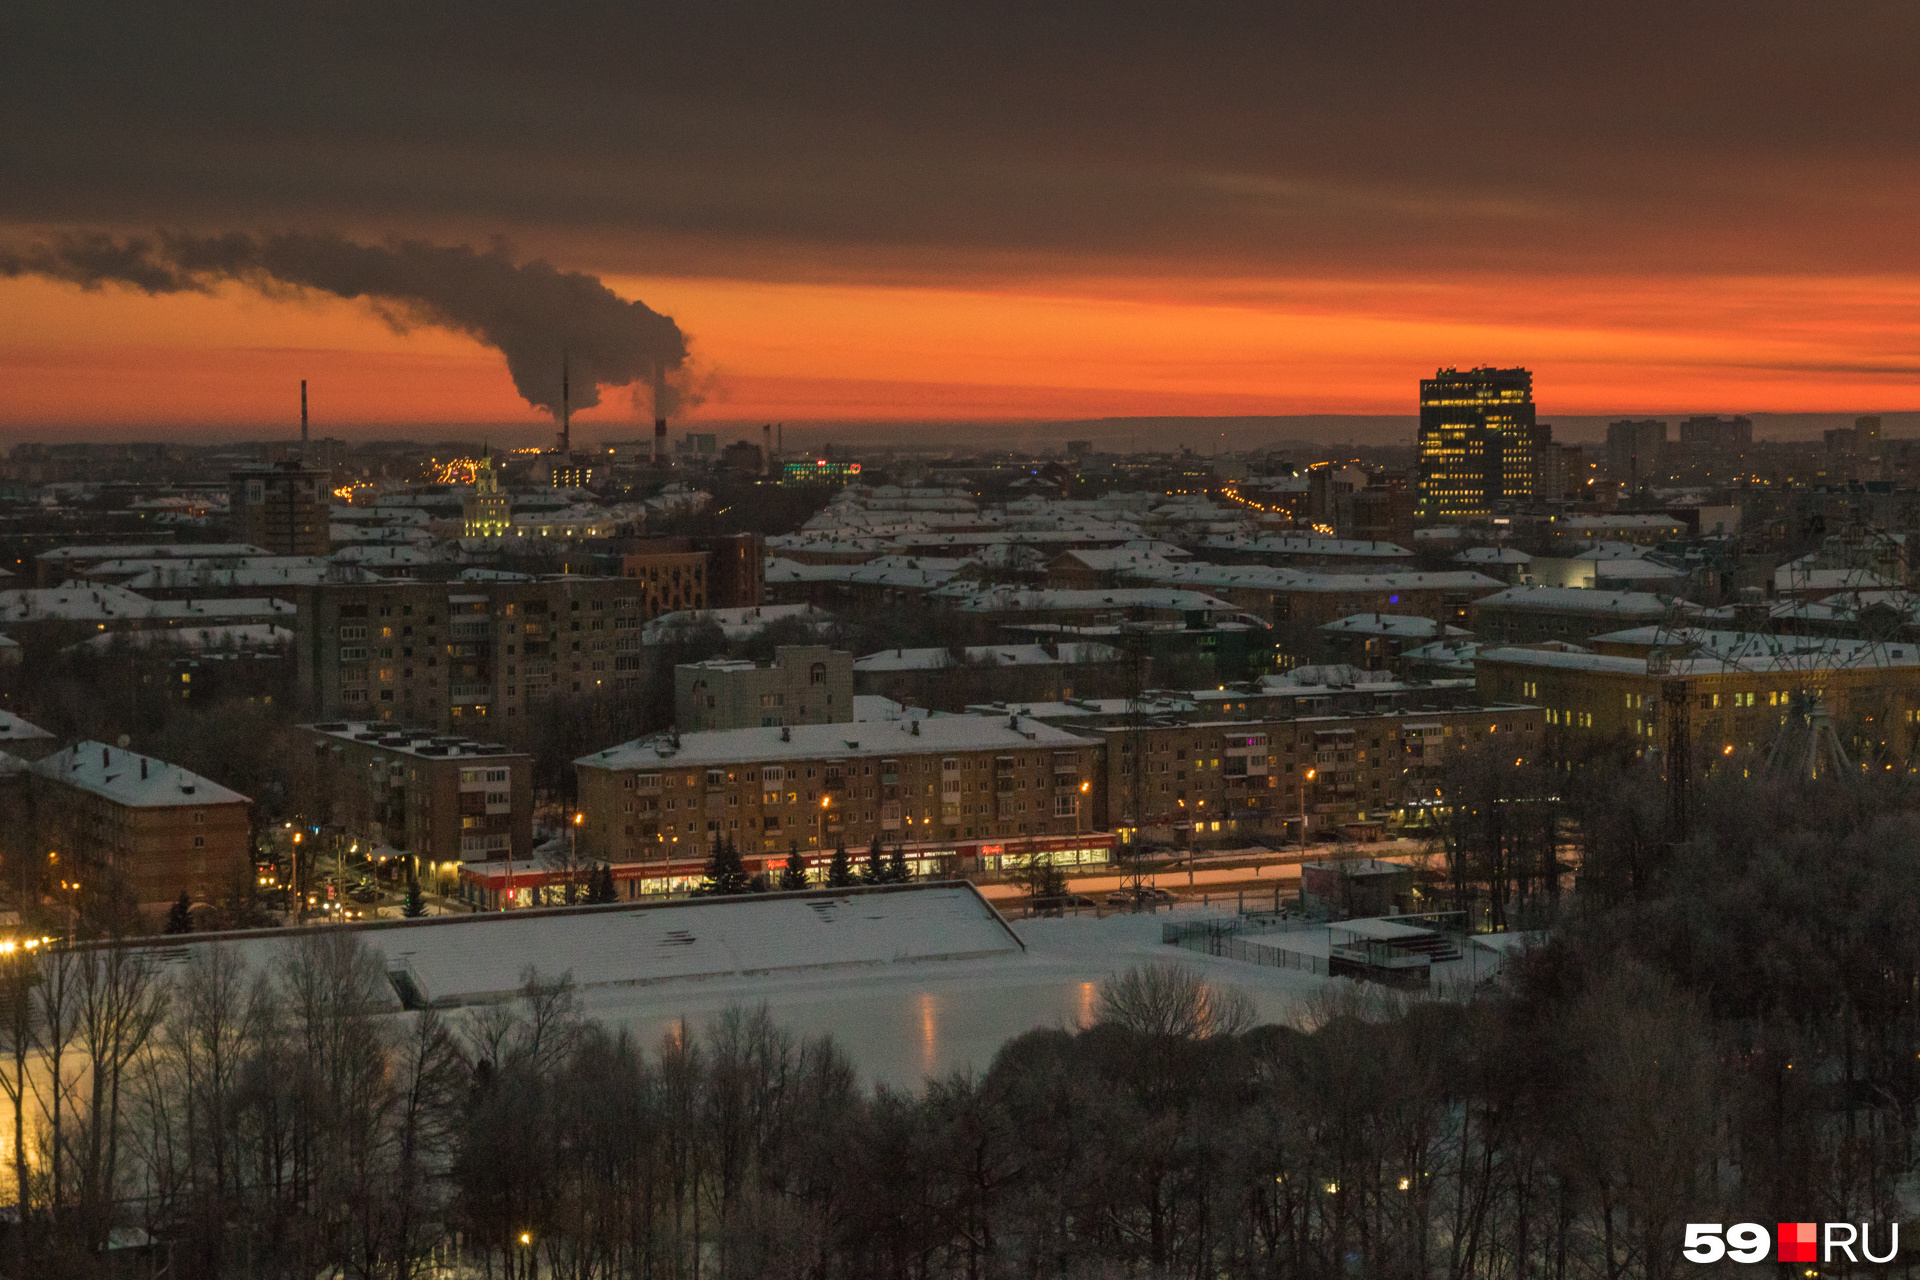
[
  {"x": 659, "y": 416},
  {"x": 566, "y": 409},
  {"x": 303, "y": 414},
  {"x": 516, "y": 308}
]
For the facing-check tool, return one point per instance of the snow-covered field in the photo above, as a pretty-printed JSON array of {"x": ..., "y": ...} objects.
[{"x": 902, "y": 1023}]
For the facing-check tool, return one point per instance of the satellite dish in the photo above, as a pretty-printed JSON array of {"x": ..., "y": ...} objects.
[{"x": 125, "y": 742}]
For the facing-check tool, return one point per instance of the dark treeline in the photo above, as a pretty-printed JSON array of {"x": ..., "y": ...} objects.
[{"x": 1723, "y": 1031}]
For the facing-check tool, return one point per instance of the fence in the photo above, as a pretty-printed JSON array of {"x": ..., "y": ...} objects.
[{"x": 1218, "y": 938}]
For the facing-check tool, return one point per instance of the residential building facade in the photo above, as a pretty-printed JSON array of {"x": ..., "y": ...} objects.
[
  {"x": 434, "y": 799},
  {"x": 812, "y": 786},
  {"x": 282, "y": 507},
  {"x": 1272, "y": 776},
  {"x": 464, "y": 654},
  {"x": 164, "y": 829},
  {"x": 805, "y": 684}
]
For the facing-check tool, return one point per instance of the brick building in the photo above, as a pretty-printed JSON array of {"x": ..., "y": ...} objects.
[
  {"x": 463, "y": 654},
  {"x": 1574, "y": 615},
  {"x": 805, "y": 684},
  {"x": 1259, "y": 776},
  {"x": 433, "y": 798},
  {"x": 943, "y": 778},
  {"x": 1738, "y": 698},
  {"x": 283, "y": 507},
  {"x": 163, "y": 828}
]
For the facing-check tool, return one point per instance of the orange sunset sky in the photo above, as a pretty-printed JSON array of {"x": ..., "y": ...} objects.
[{"x": 1259, "y": 210}]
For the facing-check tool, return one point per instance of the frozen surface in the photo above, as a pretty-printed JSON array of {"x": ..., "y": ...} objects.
[
  {"x": 903, "y": 1024},
  {"x": 911, "y": 984}
]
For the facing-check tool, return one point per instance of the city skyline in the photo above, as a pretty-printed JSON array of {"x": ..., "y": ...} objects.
[{"x": 998, "y": 217}]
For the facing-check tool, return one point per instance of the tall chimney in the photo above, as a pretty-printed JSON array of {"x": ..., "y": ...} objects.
[
  {"x": 659, "y": 417},
  {"x": 303, "y": 415},
  {"x": 566, "y": 409},
  {"x": 766, "y": 450}
]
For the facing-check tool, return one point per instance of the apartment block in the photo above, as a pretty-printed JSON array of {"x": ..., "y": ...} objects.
[
  {"x": 806, "y": 684},
  {"x": 411, "y": 793},
  {"x": 1531, "y": 615},
  {"x": 460, "y": 655},
  {"x": 283, "y": 507},
  {"x": 1738, "y": 698},
  {"x": 164, "y": 828},
  {"x": 1267, "y": 776},
  {"x": 810, "y": 786},
  {"x": 1636, "y": 451}
]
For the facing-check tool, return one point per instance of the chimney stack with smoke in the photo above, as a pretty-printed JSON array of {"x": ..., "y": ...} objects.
[
  {"x": 516, "y": 308},
  {"x": 659, "y": 417}
]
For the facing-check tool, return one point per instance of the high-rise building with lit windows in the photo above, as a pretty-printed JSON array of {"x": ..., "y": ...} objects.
[{"x": 1476, "y": 441}]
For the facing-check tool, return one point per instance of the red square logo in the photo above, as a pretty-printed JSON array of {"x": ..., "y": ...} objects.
[{"x": 1798, "y": 1241}]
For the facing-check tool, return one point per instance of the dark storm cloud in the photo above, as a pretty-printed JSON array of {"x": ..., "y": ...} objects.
[
  {"x": 1712, "y": 136},
  {"x": 530, "y": 312}
]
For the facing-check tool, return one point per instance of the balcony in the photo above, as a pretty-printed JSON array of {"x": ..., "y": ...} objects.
[{"x": 467, "y": 693}]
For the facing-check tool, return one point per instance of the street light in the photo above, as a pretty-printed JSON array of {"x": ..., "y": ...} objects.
[{"x": 1304, "y": 780}]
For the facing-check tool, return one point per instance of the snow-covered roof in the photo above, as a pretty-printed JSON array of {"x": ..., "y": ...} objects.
[
  {"x": 1575, "y": 600},
  {"x": 1323, "y": 676},
  {"x": 1018, "y": 600},
  {"x": 14, "y": 729},
  {"x": 1269, "y": 578},
  {"x": 734, "y": 624},
  {"x": 249, "y": 635},
  {"x": 103, "y": 602},
  {"x": 1759, "y": 655},
  {"x": 872, "y": 707},
  {"x": 1454, "y": 652},
  {"x": 1492, "y": 555},
  {"x": 137, "y": 781},
  {"x": 384, "y": 555},
  {"x": 1618, "y": 521},
  {"x": 1298, "y": 544},
  {"x": 1795, "y": 577},
  {"x": 1115, "y": 559},
  {"x": 1612, "y": 551},
  {"x": 894, "y": 574},
  {"x": 311, "y": 572},
  {"x": 830, "y": 741},
  {"x": 1003, "y": 655},
  {"x": 482, "y": 958},
  {"x": 151, "y": 551},
  {"x": 1395, "y": 625},
  {"x": 1087, "y": 708},
  {"x": 421, "y": 743}
]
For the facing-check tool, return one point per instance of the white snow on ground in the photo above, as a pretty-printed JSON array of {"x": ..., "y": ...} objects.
[
  {"x": 901, "y": 1024},
  {"x": 912, "y": 983}
]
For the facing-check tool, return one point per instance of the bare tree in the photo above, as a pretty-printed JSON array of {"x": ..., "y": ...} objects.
[{"x": 1172, "y": 1000}]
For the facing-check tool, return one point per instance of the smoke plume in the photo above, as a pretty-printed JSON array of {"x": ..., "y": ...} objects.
[{"x": 530, "y": 312}]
